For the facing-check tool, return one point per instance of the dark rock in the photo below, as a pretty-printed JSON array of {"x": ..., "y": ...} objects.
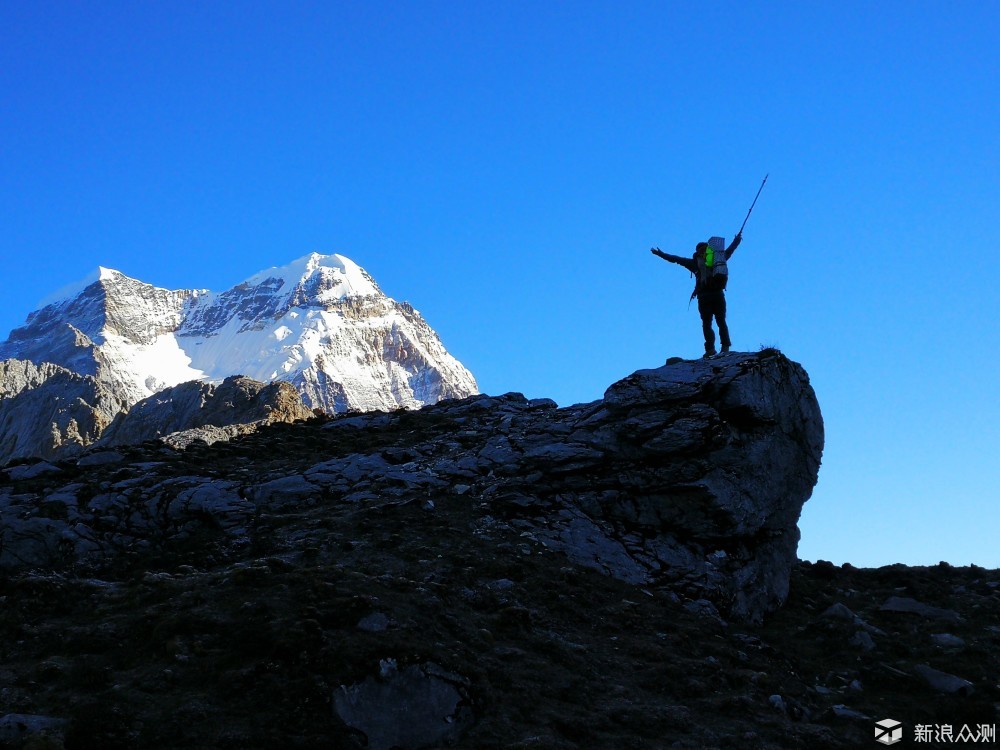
[
  {"x": 947, "y": 641},
  {"x": 217, "y": 500},
  {"x": 421, "y": 706},
  {"x": 165, "y": 601},
  {"x": 584, "y": 541},
  {"x": 285, "y": 492},
  {"x": 16, "y": 728},
  {"x": 542, "y": 403},
  {"x": 691, "y": 475},
  {"x": 840, "y": 612},
  {"x": 238, "y": 400},
  {"x": 906, "y": 605},
  {"x": 33, "y": 541},
  {"x": 31, "y": 471},
  {"x": 733, "y": 444},
  {"x": 944, "y": 682},
  {"x": 862, "y": 640},
  {"x": 100, "y": 458},
  {"x": 840, "y": 711},
  {"x": 50, "y": 412},
  {"x": 704, "y": 608},
  {"x": 376, "y": 622}
]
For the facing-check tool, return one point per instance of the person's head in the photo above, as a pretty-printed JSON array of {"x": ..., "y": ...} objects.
[{"x": 700, "y": 248}]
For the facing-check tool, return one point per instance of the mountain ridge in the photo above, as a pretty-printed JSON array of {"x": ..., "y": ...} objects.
[{"x": 320, "y": 322}]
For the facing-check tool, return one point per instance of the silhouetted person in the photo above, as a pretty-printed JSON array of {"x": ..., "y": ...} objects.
[{"x": 711, "y": 296}]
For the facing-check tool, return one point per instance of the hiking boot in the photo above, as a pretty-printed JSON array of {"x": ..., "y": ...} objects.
[
  {"x": 725, "y": 350},
  {"x": 709, "y": 354}
]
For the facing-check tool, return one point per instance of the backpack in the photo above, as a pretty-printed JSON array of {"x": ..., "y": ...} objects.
[{"x": 713, "y": 271}]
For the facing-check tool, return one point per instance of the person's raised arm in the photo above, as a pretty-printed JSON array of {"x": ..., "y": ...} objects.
[
  {"x": 686, "y": 262},
  {"x": 734, "y": 244}
]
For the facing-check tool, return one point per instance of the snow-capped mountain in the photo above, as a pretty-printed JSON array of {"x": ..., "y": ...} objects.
[{"x": 320, "y": 323}]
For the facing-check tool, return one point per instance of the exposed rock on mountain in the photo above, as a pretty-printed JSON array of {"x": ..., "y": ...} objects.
[
  {"x": 238, "y": 402},
  {"x": 49, "y": 412},
  {"x": 321, "y": 323},
  {"x": 115, "y": 329},
  {"x": 46, "y": 410}
]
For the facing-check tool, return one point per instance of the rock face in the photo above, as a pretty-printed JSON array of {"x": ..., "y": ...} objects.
[
  {"x": 320, "y": 323},
  {"x": 47, "y": 410},
  {"x": 113, "y": 329},
  {"x": 691, "y": 476},
  {"x": 237, "y": 402}
]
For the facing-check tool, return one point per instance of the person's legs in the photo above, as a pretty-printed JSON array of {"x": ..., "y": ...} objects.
[
  {"x": 706, "y": 309},
  {"x": 720, "y": 319}
]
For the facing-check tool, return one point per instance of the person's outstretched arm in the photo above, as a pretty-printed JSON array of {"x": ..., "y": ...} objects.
[
  {"x": 688, "y": 263},
  {"x": 733, "y": 245}
]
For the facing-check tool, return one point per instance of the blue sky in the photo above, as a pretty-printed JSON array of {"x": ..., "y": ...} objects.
[{"x": 506, "y": 167}]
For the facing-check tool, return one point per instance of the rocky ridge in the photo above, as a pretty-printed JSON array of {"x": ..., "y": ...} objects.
[
  {"x": 691, "y": 475},
  {"x": 422, "y": 579},
  {"x": 203, "y": 411},
  {"x": 86, "y": 332},
  {"x": 49, "y": 412}
]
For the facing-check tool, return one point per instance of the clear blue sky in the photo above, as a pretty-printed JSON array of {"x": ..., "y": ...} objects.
[{"x": 506, "y": 167}]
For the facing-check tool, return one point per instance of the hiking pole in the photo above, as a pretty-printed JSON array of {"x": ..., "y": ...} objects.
[{"x": 754, "y": 203}]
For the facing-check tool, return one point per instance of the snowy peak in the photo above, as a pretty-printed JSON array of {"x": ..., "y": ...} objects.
[
  {"x": 111, "y": 275},
  {"x": 313, "y": 281},
  {"x": 72, "y": 291},
  {"x": 317, "y": 279},
  {"x": 320, "y": 322},
  {"x": 105, "y": 303}
]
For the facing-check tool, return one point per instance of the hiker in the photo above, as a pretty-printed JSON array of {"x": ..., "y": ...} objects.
[{"x": 709, "y": 288}]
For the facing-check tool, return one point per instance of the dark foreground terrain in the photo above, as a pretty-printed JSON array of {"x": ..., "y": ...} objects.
[{"x": 216, "y": 642}]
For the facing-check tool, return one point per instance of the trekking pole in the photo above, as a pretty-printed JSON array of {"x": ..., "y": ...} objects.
[{"x": 754, "y": 203}]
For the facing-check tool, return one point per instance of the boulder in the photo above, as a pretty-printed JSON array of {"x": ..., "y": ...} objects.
[
  {"x": 421, "y": 706},
  {"x": 692, "y": 474}
]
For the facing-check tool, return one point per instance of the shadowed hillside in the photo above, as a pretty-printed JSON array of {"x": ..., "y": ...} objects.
[{"x": 487, "y": 573}]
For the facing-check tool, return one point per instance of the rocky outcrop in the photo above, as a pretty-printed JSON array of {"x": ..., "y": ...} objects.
[
  {"x": 689, "y": 477},
  {"x": 49, "y": 412},
  {"x": 693, "y": 474},
  {"x": 236, "y": 402},
  {"x": 46, "y": 410}
]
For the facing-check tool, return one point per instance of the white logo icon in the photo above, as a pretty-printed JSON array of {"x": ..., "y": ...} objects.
[{"x": 888, "y": 731}]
